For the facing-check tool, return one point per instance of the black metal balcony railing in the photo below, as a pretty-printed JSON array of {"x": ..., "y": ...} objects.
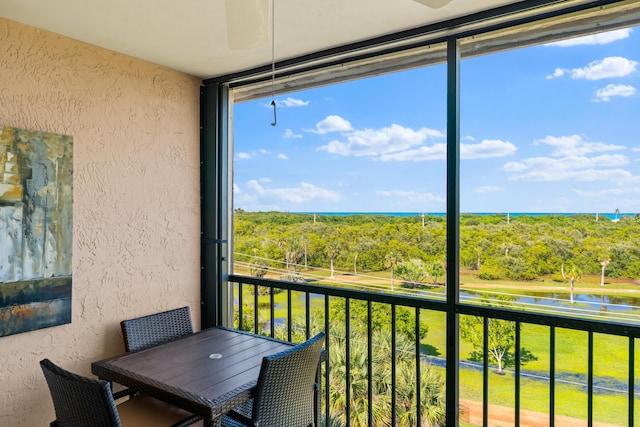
[{"x": 407, "y": 388}]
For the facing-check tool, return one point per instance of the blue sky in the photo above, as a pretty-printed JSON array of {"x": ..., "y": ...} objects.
[{"x": 548, "y": 128}]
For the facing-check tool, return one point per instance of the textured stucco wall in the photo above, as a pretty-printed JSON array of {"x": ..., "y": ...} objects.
[{"x": 135, "y": 128}]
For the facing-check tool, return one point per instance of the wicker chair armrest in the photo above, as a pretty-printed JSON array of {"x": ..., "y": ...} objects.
[{"x": 124, "y": 393}]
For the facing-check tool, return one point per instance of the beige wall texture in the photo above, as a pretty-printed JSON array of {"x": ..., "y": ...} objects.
[{"x": 136, "y": 212}]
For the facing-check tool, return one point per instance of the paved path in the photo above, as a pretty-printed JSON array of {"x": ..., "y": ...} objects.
[{"x": 503, "y": 416}]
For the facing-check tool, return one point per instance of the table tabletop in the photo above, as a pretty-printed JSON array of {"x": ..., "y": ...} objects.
[{"x": 207, "y": 373}]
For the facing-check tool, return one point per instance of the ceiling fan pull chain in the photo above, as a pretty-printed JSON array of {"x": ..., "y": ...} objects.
[
  {"x": 273, "y": 104},
  {"x": 273, "y": 61}
]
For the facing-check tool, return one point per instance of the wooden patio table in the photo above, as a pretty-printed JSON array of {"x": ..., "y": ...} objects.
[{"x": 207, "y": 373}]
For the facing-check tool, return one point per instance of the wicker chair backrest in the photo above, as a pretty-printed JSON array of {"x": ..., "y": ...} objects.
[
  {"x": 144, "y": 332},
  {"x": 285, "y": 389},
  {"x": 79, "y": 401}
]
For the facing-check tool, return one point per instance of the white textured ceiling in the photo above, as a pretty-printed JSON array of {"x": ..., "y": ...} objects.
[{"x": 191, "y": 35}]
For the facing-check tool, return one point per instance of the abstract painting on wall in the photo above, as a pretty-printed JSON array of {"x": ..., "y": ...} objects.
[{"x": 36, "y": 235}]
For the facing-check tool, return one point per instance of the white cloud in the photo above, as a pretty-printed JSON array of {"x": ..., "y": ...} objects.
[
  {"x": 586, "y": 175},
  {"x": 558, "y": 72},
  {"x": 611, "y": 90},
  {"x": 434, "y": 152},
  {"x": 573, "y": 159},
  {"x": 331, "y": 124},
  {"x": 488, "y": 148},
  {"x": 610, "y": 67},
  {"x": 288, "y": 133},
  {"x": 573, "y": 145},
  {"x": 291, "y": 102},
  {"x": 379, "y": 142},
  {"x": 399, "y": 143},
  {"x": 594, "y": 39},
  {"x": 579, "y": 162},
  {"x": 487, "y": 189},
  {"x": 484, "y": 150},
  {"x": 303, "y": 193},
  {"x": 613, "y": 66},
  {"x": 514, "y": 167},
  {"x": 576, "y": 168},
  {"x": 617, "y": 193},
  {"x": 243, "y": 155},
  {"x": 283, "y": 157}
]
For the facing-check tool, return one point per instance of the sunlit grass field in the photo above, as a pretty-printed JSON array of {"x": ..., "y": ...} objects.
[{"x": 610, "y": 368}]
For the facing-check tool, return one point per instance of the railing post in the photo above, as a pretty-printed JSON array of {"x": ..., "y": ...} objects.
[
  {"x": 590, "y": 381},
  {"x": 453, "y": 229},
  {"x": 485, "y": 371},
  {"x": 632, "y": 385},
  {"x": 394, "y": 361},
  {"x": 418, "y": 368},
  {"x": 327, "y": 391},
  {"x": 517, "y": 369},
  {"x": 369, "y": 362},
  {"x": 552, "y": 376}
]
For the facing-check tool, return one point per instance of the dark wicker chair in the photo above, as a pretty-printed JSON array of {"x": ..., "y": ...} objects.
[
  {"x": 147, "y": 331},
  {"x": 85, "y": 402},
  {"x": 286, "y": 390}
]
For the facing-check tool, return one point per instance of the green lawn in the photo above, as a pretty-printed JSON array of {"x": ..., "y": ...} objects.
[
  {"x": 611, "y": 361},
  {"x": 610, "y": 365},
  {"x": 570, "y": 400}
]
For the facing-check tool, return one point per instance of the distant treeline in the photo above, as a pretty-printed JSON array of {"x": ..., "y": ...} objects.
[{"x": 492, "y": 246}]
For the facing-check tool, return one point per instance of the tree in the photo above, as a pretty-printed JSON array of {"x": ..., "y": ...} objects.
[
  {"x": 560, "y": 249},
  {"x": 432, "y": 384},
  {"x": 333, "y": 250},
  {"x": 361, "y": 246},
  {"x": 502, "y": 336},
  {"x": 355, "y": 264},
  {"x": 435, "y": 270},
  {"x": 571, "y": 274},
  {"x": 258, "y": 268},
  {"x": 481, "y": 247},
  {"x": 390, "y": 261},
  {"x": 432, "y": 396},
  {"x": 604, "y": 264},
  {"x": 405, "y": 319},
  {"x": 292, "y": 276},
  {"x": 294, "y": 254},
  {"x": 413, "y": 271}
]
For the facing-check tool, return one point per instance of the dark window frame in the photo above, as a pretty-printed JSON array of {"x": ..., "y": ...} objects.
[{"x": 398, "y": 51}]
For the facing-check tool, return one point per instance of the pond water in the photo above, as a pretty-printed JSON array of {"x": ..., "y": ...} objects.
[
  {"x": 550, "y": 300},
  {"x": 614, "y": 307}
]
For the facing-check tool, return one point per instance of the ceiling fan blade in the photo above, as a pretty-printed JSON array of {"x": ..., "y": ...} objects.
[
  {"x": 247, "y": 23},
  {"x": 434, "y": 4}
]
